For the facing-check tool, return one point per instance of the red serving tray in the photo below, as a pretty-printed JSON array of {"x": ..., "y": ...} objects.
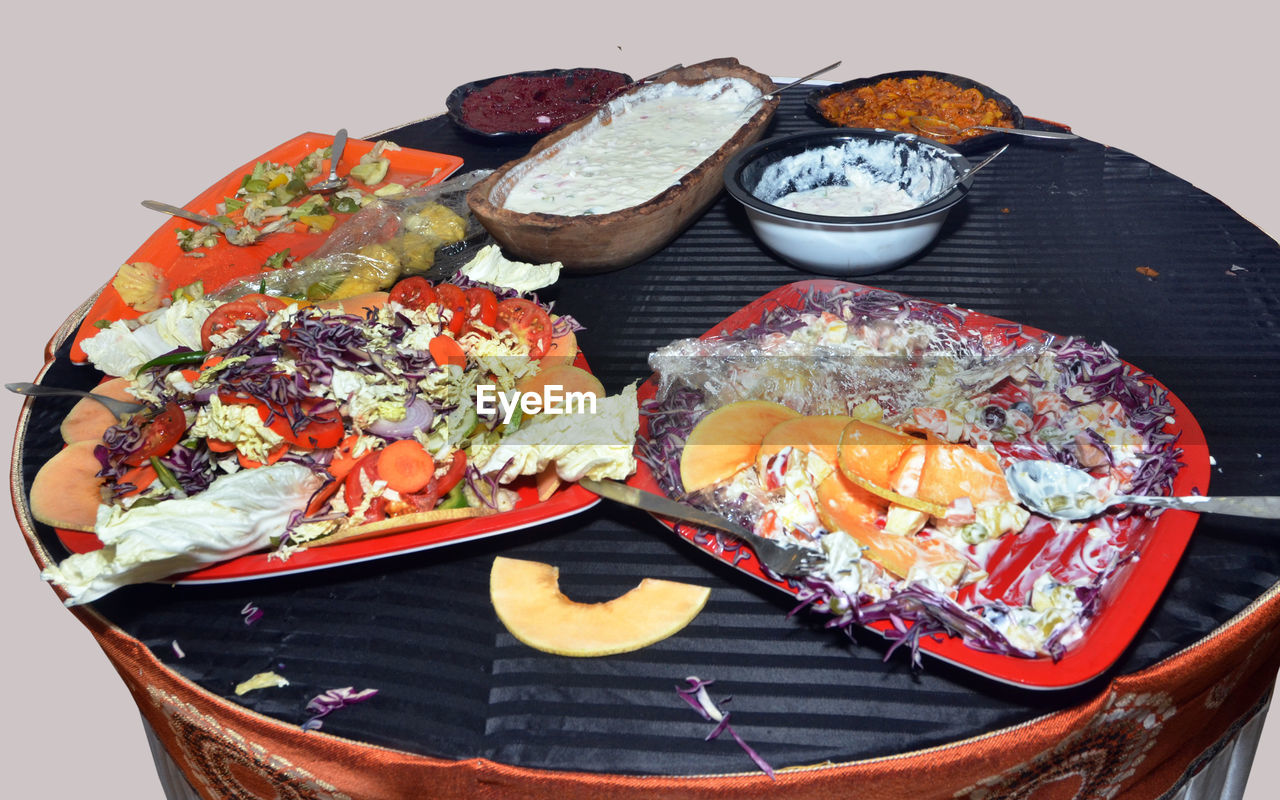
[
  {"x": 1127, "y": 598},
  {"x": 224, "y": 263},
  {"x": 566, "y": 501}
]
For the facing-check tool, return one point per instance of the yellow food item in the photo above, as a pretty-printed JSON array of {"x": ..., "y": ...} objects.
[
  {"x": 378, "y": 268},
  {"x": 526, "y": 596},
  {"x": 436, "y": 220},
  {"x": 141, "y": 285},
  {"x": 727, "y": 440}
]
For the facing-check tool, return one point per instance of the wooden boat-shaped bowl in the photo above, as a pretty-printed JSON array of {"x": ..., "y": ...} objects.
[{"x": 601, "y": 242}]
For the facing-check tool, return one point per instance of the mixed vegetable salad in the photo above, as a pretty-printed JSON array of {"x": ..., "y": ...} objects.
[
  {"x": 896, "y": 418},
  {"x": 274, "y": 422}
]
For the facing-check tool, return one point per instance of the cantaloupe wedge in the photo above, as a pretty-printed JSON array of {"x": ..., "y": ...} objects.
[
  {"x": 845, "y": 506},
  {"x": 563, "y": 349},
  {"x": 356, "y": 304},
  {"x": 726, "y": 441},
  {"x": 400, "y": 524},
  {"x": 871, "y": 455},
  {"x": 566, "y": 378},
  {"x": 948, "y": 472},
  {"x": 526, "y": 596},
  {"x": 871, "y": 450},
  {"x": 67, "y": 491},
  {"x": 820, "y": 434},
  {"x": 89, "y": 419}
]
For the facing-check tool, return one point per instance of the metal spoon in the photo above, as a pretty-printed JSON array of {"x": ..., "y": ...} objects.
[
  {"x": 121, "y": 408},
  {"x": 241, "y": 237},
  {"x": 1062, "y": 492},
  {"x": 799, "y": 81},
  {"x": 940, "y": 127},
  {"x": 964, "y": 176},
  {"x": 333, "y": 183},
  {"x": 795, "y": 82}
]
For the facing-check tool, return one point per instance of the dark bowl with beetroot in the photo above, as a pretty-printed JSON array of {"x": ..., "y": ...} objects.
[{"x": 524, "y": 106}]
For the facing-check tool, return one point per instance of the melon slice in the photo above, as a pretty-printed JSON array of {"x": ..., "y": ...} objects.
[
  {"x": 358, "y": 304},
  {"x": 556, "y": 382},
  {"x": 526, "y": 596},
  {"x": 871, "y": 450},
  {"x": 820, "y": 434},
  {"x": 563, "y": 349},
  {"x": 67, "y": 491},
  {"x": 949, "y": 472},
  {"x": 400, "y": 524},
  {"x": 872, "y": 455},
  {"x": 845, "y": 506},
  {"x": 89, "y": 419},
  {"x": 726, "y": 441}
]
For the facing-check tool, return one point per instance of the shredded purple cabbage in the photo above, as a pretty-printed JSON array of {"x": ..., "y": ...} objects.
[
  {"x": 917, "y": 612},
  {"x": 327, "y": 702},
  {"x": 695, "y": 694}
]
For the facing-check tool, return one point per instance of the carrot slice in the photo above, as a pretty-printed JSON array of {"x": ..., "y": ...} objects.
[
  {"x": 141, "y": 477},
  {"x": 272, "y": 457},
  {"x": 343, "y": 458},
  {"x": 447, "y": 351},
  {"x": 219, "y": 445},
  {"x": 406, "y": 466}
]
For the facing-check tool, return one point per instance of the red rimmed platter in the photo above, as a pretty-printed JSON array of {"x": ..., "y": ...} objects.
[
  {"x": 528, "y": 512},
  {"x": 220, "y": 265},
  {"x": 1127, "y": 597}
]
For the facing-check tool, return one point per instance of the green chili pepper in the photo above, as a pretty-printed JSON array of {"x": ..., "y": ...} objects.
[
  {"x": 173, "y": 359},
  {"x": 164, "y": 474}
]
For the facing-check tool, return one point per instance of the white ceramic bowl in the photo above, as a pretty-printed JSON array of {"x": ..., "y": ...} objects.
[{"x": 860, "y": 243}]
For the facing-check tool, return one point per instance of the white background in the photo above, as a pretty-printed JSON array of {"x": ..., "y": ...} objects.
[{"x": 107, "y": 104}]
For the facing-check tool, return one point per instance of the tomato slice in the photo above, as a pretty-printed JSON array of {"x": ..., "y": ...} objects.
[
  {"x": 265, "y": 302},
  {"x": 482, "y": 307},
  {"x": 353, "y": 493},
  {"x": 453, "y": 299},
  {"x": 161, "y": 433},
  {"x": 227, "y": 317},
  {"x": 529, "y": 321},
  {"x": 451, "y": 477},
  {"x": 415, "y": 293}
]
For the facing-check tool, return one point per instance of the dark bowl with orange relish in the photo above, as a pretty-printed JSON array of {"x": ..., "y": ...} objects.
[{"x": 887, "y": 100}]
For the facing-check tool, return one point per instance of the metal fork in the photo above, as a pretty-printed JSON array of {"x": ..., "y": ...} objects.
[
  {"x": 781, "y": 559},
  {"x": 240, "y": 237},
  {"x": 121, "y": 408}
]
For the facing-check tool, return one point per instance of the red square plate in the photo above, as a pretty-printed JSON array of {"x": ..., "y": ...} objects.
[
  {"x": 224, "y": 263},
  {"x": 1126, "y": 599}
]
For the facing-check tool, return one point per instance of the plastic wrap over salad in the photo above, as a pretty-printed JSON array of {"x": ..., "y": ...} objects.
[
  {"x": 272, "y": 422},
  {"x": 874, "y": 429}
]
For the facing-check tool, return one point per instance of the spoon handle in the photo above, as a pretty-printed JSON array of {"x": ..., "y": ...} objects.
[
  {"x": 1030, "y": 134},
  {"x": 165, "y": 208},
  {"x": 1265, "y": 507},
  {"x": 335, "y": 152}
]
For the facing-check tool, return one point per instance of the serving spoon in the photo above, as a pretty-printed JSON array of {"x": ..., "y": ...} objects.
[
  {"x": 121, "y": 408},
  {"x": 241, "y": 237},
  {"x": 940, "y": 127},
  {"x": 333, "y": 183},
  {"x": 963, "y": 176},
  {"x": 780, "y": 89},
  {"x": 1060, "y": 491},
  {"x": 799, "y": 81}
]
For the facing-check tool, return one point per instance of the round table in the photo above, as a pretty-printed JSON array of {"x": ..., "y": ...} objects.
[{"x": 1077, "y": 239}]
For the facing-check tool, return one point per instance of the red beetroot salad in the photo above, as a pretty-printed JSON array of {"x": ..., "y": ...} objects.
[{"x": 538, "y": 103}]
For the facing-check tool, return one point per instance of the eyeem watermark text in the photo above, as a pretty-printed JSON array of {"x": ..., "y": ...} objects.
[{"x": 553, "y": 399}]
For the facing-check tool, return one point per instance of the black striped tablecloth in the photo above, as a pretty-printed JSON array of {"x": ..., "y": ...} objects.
[{"x": 1051, "y": 236}]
